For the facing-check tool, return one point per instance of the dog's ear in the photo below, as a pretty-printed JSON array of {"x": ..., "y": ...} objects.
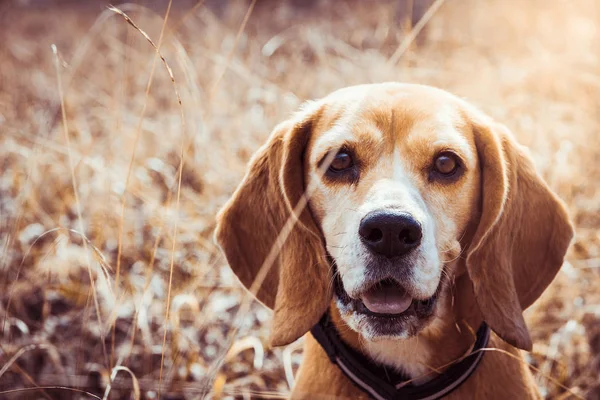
[
  {"x": 522, "y": 237},
  {"x": 270, "y": 238}
]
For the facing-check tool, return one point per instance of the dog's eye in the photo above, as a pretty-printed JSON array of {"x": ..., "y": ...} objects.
[
  {"x": 343, "y": 166},
  {"x": 341, "y": 161},
  {"x": 446, "y": 164}
]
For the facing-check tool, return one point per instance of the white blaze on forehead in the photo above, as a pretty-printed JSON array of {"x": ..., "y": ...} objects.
[
  {"x": 395, "y": 188},
  {"x": 399, "y": 169}
]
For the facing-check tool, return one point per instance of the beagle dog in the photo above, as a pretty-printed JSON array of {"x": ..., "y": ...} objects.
[{"x": 398, "y": 225}]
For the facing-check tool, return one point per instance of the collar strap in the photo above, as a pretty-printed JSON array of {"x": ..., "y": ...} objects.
[{"x": 381, "y": 383}]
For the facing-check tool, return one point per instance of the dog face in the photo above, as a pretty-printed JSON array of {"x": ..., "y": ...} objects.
[
  {"x": 399, "y": 191},
  {"x": 377, "y": 197}
]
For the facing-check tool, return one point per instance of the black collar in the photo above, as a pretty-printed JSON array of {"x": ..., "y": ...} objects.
[{"x": 381, "y": 383}]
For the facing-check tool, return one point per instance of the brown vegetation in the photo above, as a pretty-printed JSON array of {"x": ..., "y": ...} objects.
[{"x": 106, "y": 230}]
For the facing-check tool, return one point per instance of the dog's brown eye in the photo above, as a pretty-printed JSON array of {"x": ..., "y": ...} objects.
[
  {"x": 341, "y": 161},
  {"x": 446, "y": 164}
]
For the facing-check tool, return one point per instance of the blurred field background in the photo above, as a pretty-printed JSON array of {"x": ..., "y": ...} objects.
[{"x": 107, "y": 203}]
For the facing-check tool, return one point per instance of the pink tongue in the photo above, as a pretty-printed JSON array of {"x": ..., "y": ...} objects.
[{"x": 387, "y": 300}]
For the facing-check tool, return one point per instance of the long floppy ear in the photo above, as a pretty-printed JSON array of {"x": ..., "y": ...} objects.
[
  {"x": 278, "y": 252},
  {"x": 522, "y": 237}
]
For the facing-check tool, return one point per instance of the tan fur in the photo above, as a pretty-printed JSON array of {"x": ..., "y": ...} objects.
[
  {"x": 524, "y": 232},
  {"x": 499, "y": 233},
  {"x": 499, "y": 376},
  {"x": 259, "y": 210}
]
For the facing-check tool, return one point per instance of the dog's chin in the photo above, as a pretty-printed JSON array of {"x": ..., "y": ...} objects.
[{"x": 385, "y": 311}]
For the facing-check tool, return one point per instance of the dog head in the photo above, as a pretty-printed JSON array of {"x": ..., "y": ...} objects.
[{"x": 380, "y": 196}]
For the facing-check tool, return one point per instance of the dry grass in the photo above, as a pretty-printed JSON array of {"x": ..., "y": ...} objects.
[{"x": 66, "y": 318}]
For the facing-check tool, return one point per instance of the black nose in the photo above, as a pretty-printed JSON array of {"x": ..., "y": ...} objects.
[{"x": 389, "y": 233}]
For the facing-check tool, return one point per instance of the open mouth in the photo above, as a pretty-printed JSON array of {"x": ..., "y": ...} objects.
[
  {"x": 385, "y": 308},
  {"x": 388, "y": 299}
]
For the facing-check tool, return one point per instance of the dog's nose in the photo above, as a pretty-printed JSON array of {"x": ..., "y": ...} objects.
[{"x": 389, "y": 233}]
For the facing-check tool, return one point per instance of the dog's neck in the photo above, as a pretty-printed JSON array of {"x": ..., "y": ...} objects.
[
  {"x": 499, "y": 376},
  {"x": 421, "y": 357}
]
